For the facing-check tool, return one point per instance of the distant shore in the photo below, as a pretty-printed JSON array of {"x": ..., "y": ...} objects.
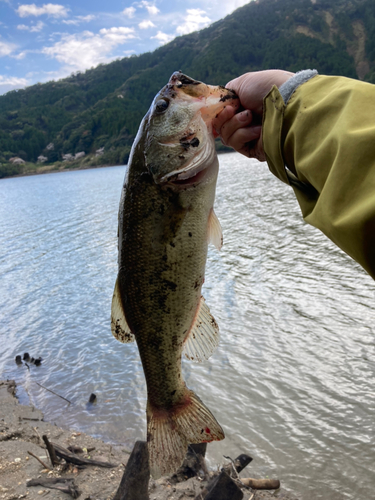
[
  {"x": 33, "y": 169},
  {"x": 85, "y": 163}
]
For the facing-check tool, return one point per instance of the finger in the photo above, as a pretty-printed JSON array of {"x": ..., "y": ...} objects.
[
  {"x": 254, "y": 149},
  {"x": 226, "y": 114},
  {"x": 238, "y": 121},
  {"x": 242, "y": 137}
]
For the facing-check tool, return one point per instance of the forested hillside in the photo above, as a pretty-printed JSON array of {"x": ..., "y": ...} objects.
[{"x": 102, "y": 108}]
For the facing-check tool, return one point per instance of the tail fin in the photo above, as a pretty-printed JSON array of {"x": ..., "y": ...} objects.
[{"x": 170, "y": 433}]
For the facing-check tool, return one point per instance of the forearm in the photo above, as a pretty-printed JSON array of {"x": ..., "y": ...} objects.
[{"x": 325, "y": 135}]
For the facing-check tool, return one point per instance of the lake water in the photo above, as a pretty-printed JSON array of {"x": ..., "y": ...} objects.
[{"x": 293, "y": 380}]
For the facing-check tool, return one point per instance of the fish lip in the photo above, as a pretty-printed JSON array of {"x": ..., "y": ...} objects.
[{"x": 178, "y": 78}]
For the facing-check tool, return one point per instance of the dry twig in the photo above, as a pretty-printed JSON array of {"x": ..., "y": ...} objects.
[
  {"x": 55, "y": 393},
  {"x": 39, "y": 460},
  {"x": 37, "y": 433}
]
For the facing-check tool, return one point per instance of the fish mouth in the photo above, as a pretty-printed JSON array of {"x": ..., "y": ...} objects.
[{"x": 212, "y": 98}]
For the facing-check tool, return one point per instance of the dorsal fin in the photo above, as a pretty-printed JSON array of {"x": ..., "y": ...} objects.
[
  {"x": 215, "y": 234},
  {"x": 119, "y": 327},
  {"x": 203, "y": 337}
]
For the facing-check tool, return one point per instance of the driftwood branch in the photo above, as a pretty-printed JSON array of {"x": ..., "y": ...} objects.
[
  {"x": 134, "y": 482},
  {"x": 237, "y": 465},
  {"x": 261, "y": 484},
  {"x": 39, "y": 460},
  {"x": 72, "y": 458},
  {"x": 51, "y": 451},
  {"x": 67, "y": 485}
]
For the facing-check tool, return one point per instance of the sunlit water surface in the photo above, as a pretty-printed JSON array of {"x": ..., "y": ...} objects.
[{"x": 293, "y": 380}]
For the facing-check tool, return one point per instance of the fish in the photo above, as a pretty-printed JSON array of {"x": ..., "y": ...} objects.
[{"x": 166, "y": 220}]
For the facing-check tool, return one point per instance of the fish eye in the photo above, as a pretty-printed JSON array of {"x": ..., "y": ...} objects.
[{"x": 161, "y": 105}]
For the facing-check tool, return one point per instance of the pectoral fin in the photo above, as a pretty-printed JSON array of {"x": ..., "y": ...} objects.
[
  {"x": 203, "y": 337},
  {"x": 215, "y": 234},
  {"x": 119, "y": 327}
]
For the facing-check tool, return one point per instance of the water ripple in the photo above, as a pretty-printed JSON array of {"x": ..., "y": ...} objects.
[{"x": 293, "y": 379}]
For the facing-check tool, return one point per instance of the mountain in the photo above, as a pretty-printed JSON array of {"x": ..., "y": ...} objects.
[{"x": 102, "y": 107}]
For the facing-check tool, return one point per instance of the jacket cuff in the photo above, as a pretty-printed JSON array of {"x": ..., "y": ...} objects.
[{"x": 287, "y": 88}]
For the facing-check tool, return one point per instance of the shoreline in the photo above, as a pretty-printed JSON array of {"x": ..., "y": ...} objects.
[
  {"x": 42, "y": 171},
  {"x": 81, "y": 166},
  {"x": 21, "y": 431}
]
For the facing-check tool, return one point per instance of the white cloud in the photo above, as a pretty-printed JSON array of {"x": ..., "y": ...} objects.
[
  {"x": 79, "y": 20},
  {"x": 163, "y": 37},
  {"x": 21, "y": 55},
  {"x": 232, "y": 5},
  {"x": 146, "y": 24},
  {"x": 11, "y": 83},
  {"x": 33, "y": 28},
  {"x": 117, "y": 35},
  {"x": 151, "y": 8},
  {"x": 213, "y": 7},
  {"x": 50, "y": 9},
  {"x": 129, "y": 12},
  {"x": 6, "y": 48},
  {"x": 85, "y": 50},
  {"x": 195, "y": 20}
]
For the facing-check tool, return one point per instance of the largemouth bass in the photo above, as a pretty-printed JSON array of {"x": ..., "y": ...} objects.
[{"x": 166, "y": 221}]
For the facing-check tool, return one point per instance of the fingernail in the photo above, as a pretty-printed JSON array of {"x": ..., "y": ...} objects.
[{"x": 244, "y": 116}]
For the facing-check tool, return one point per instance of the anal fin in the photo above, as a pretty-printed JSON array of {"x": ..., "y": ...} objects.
[
  {"x": 119, "y": 326},
  {"x": 203, "y": 337}
]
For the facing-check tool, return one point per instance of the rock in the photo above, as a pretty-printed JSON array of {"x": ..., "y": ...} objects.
[
  {"x": 223, "y": 488},
  {"x": 192, "y": 465},
  {"x": 92, "y": 398}
]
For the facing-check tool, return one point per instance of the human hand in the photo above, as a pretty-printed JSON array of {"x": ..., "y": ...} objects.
[{"x": 242, "y": 131}]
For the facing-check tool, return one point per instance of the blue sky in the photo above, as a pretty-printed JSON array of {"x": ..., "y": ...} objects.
[{"x": 48, "y": 41}]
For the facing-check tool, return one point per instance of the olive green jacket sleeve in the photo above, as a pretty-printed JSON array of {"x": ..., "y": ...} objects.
[{"x": 322, "y": 143}]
